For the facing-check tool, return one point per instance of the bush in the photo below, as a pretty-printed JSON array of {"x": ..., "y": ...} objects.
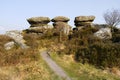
[
  {"x": 15, "y": 56},
  {"x": 89, "y": 49},
  {"x": 32, "y": 40}
]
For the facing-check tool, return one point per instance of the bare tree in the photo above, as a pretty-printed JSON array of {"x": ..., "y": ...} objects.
[{"x": 112, "y": 17}]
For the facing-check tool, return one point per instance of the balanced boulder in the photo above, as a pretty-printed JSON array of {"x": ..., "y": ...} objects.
[
  {"x": 81, "y": 21},
  {"x": 38, "y": 24},
  {"x": 84, "y": 18},
  {"x": 60, "y": 19},
  {"x": 38, "y": 21}
]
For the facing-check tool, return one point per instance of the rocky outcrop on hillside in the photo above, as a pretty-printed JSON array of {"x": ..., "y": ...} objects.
[
  {"x": 38, "y": 21},
  {"x": 38, "y": 30},
  {"x": 83, "y": 21},
  {"x": 104, "y": 33},
  {"x": 62, "y": 27},
  {"x": 18, "y": 38},
  {"x": 60, "y": 19},
  {"x": 61, "y": 24},
  {"x": 38, "y": 24}
]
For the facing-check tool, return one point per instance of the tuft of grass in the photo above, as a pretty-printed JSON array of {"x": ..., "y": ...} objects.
[
  {"x": 4, "y": 39},
  {"x": 37, "y": 70},
  {"x": 18, "y": 56}
]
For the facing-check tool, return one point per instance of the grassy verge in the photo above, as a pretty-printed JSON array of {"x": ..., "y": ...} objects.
[{"x": 78, "y": 71}]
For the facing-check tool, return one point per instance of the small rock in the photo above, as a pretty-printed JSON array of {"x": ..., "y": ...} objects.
[{"x": 9, "y": 45}]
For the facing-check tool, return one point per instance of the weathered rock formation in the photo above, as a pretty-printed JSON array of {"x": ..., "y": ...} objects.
[
  {"x": 83, "y": 21},
  {"x": 39, "y": 30},
  {"x": 104, "y": 33},
  {"x": 38, "y": 21},
  {"x": 38, "y": 24},
  {"x": 60, "y": 24},
  {"x": 18, "y": 38},
  {"x": 60, "y": 19}
]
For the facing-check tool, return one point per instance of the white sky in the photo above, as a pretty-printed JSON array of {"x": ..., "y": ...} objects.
[{"x": 13, "y": 13}]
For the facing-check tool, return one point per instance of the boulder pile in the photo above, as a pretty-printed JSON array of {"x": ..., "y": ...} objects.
[
  {"x": 83, "y": 21},
  {"x": 60, "y": 23}
]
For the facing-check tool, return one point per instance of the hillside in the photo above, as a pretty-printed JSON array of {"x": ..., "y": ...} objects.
[{"x": 85, "y": 53}]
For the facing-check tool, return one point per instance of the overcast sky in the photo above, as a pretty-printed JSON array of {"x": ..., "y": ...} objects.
[{"x": 13, "y": 13}]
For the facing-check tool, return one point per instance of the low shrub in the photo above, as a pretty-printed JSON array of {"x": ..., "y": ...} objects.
[
  {"x": 116, "y": 35},
  {"x": 32, "y": 39},
  {"x": 89, "y": 49},
  {"x": 16, "y": 56},
  {"x": 99, "y": 54}
]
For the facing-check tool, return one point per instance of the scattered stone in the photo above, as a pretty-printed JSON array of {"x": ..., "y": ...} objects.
[
  {"x": 104, "y": 33},
  {"x": 9, "y": 45}
]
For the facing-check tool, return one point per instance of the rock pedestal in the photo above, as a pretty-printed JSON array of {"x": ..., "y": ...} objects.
[
  {"x": 83, "y": 21},
  {"x": 38, "y": 24},
  {"x": 61, "y": 24},
  {"x": 38, "y": 21}
]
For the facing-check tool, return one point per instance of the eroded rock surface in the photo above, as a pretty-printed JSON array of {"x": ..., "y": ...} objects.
[
  {"x": 104, "y": 33},
  {"x": 18, "y": 38}
]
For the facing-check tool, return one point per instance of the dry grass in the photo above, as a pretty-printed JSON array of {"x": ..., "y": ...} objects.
[
  {"x": 32, "y": 39},
  {"x": 37, "y": 70},
  {"x": 18, "y": 56},
  {"x": 23, "y": 64},
  {"x": 4, "y": 39},
  {"x": 15, "y": 55}
]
